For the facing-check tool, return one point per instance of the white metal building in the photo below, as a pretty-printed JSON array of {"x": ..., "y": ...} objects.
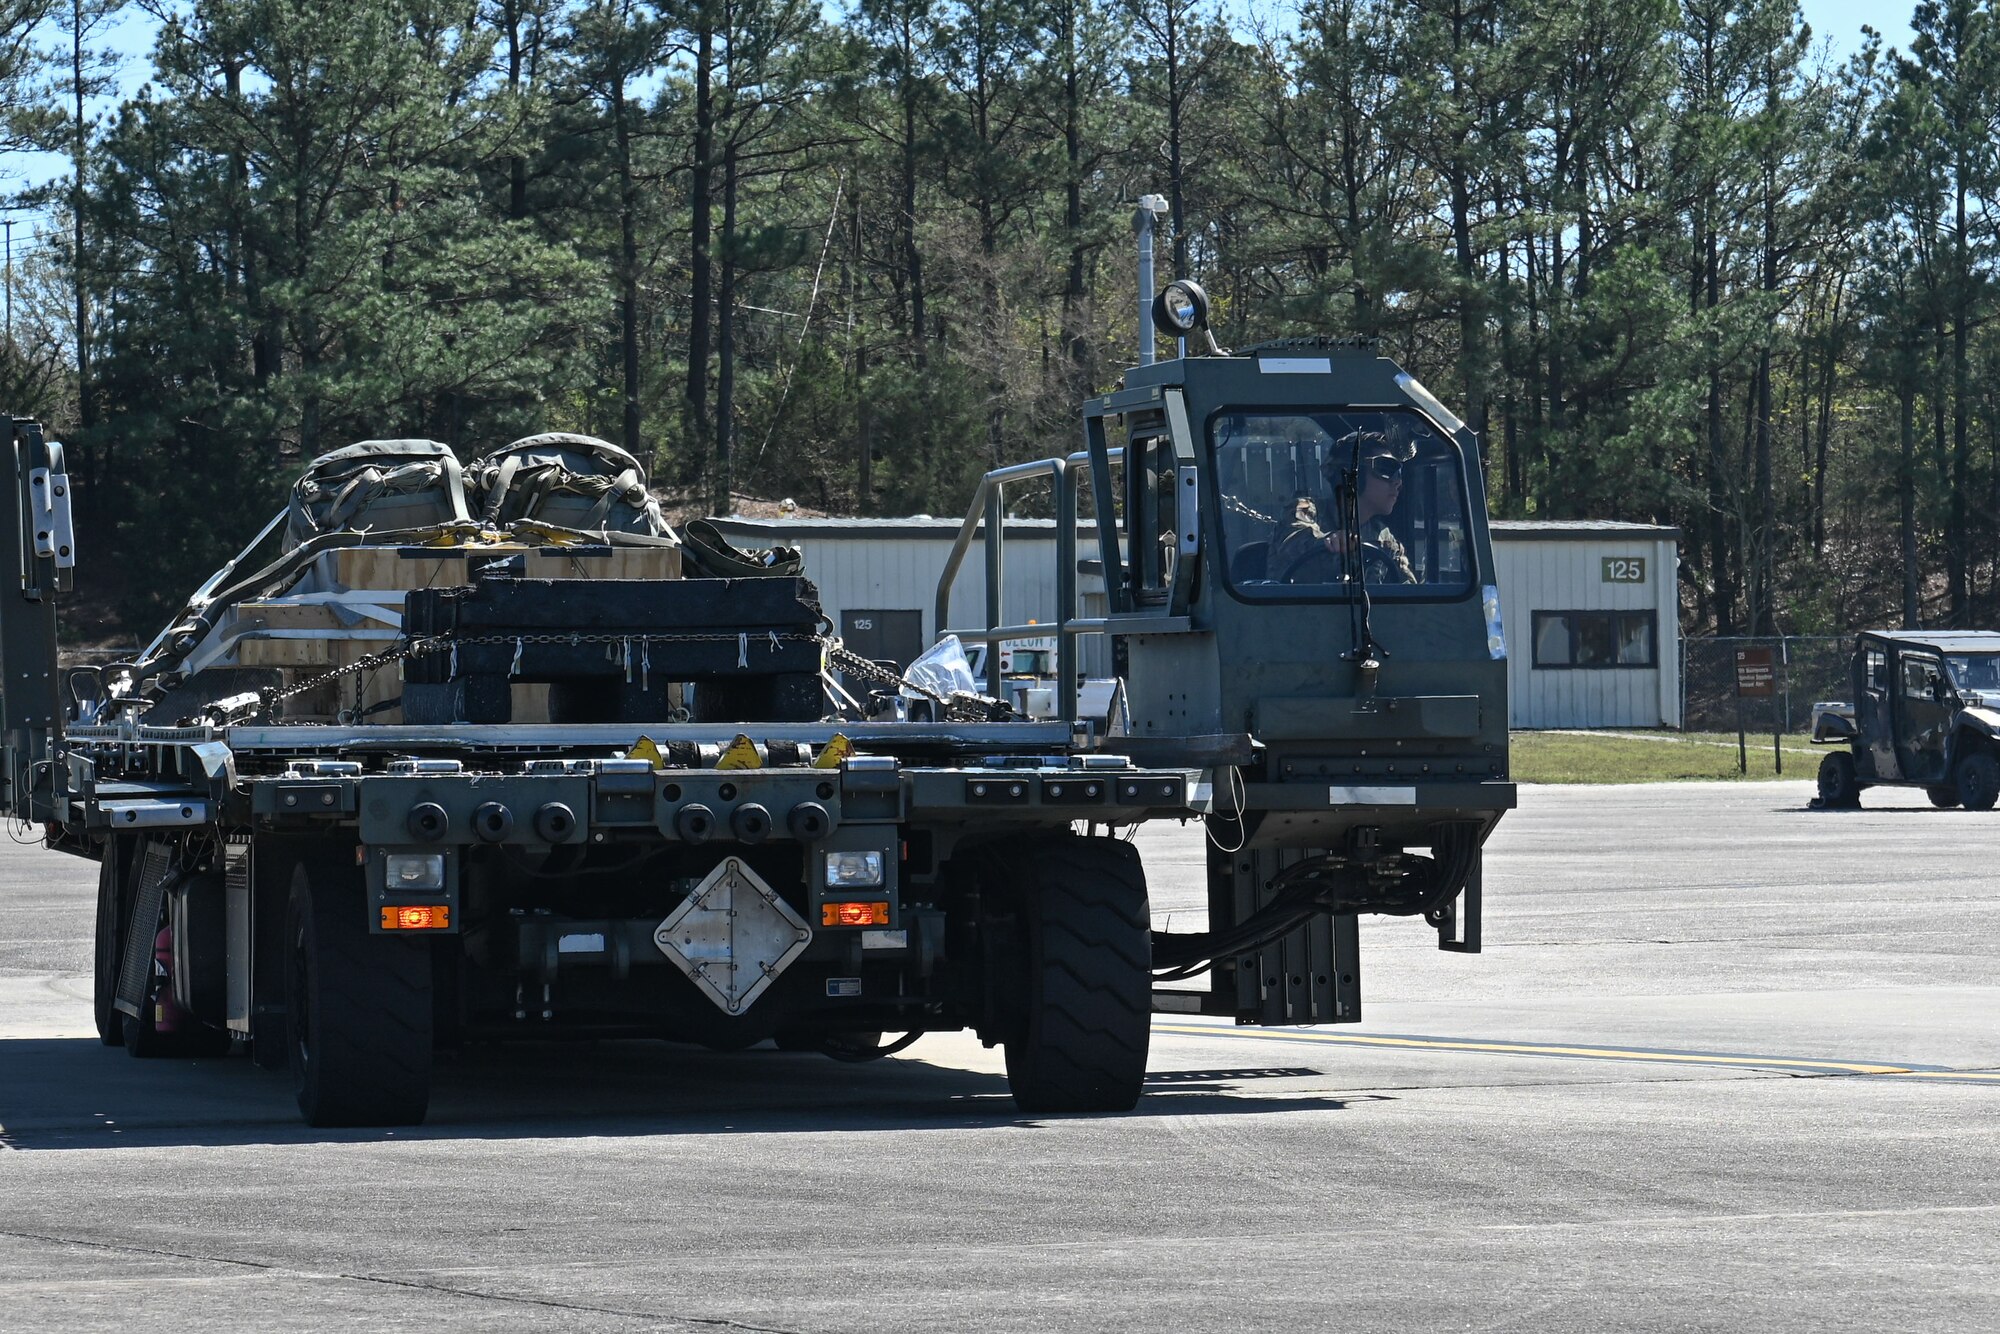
[
  {"x": 1589, "y": 607},
  {"x": 1591, "y": 610}
]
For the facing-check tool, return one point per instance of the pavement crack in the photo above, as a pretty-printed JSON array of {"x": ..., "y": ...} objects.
[
  {"x": 383, "y": 1280},
  {"x": 710, "y": 1322},
  {"x": 127, "y": 1248}
]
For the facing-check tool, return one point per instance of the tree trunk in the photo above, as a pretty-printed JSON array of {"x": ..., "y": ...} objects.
[
  {"x": 913, "y": 260},
  {"x": 517, "y": 165},
  {"x": 1906, "y": 489},
  {"x": 1829, "y": 365},
  {"x": 1957, "y": 539},
  {"x": 1471, "y": 306},
  {"x": 628, "y": 268},
  {"x": 700, "y": 225},
  {"x": 1721, "y": 575},
  {"x": 86, "y": 403},
  {"x": 1763, "y": 614},
  {"x": 864, "y": 415},
  {"x": 725, "y": 343},
  {"x": 1080, "y": 375}
]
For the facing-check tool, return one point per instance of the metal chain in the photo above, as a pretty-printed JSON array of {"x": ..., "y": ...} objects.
[
  {"x": 1235, "y": 506},
  {"x": 411, "y": 649},
  {"x": 959, "y": 706}
]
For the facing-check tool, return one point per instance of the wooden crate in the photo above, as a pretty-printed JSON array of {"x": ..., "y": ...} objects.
[
  {"x": 278, "y": 614},
  {"x": 386, "y": 568}
]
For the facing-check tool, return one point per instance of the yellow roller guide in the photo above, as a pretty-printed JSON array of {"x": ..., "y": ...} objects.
[
  {"x": 834, "y": 752},
  {"x": 742, "y": 754}
]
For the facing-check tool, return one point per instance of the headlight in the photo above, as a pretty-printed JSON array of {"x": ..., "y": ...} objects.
[
  {"x": 1496, "y": 638},
  {"x": 413, "y": 870},
  {"x": 853, "y": 870}
]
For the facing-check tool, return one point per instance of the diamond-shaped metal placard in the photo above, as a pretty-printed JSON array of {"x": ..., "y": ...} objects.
[{"x": 733, "y": 936}]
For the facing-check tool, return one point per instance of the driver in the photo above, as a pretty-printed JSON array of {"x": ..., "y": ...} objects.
[
  {"x": 1981, "y": 672},
  {"x": 1309, "y": 553}
]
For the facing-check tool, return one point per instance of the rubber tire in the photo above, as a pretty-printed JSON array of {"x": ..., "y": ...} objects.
[
  {"x": 1839, "y": 788},
  {"x": 359, "y": 1007},
  {"x": 1978, "y": 781},
  {"x": 1079, "y": 1039},
  {"x": 109, "y": 948},
  {"x": 1943, "y": 796}
]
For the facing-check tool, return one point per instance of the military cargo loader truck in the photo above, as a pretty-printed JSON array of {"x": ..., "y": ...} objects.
[{"x": 451, "y": 755}]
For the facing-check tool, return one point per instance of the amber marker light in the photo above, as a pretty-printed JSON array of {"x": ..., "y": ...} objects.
[
  {"x": 420, "y": 917},
  {"x": 854, "y": 914}
]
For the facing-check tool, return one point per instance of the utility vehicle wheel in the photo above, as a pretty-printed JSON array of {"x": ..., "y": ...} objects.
[
  {"x": 1078, "y": 1043},
  {"x": 110, "y": 943},
  {"x": 359, "y": 1007},
  {"x": 1839, "y": 789},
  {"x": 1943, "y": 796},
  {"x": 1979, "y": 781}
]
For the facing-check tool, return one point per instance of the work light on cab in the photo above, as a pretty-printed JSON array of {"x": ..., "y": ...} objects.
[{"x": 1181, "y": 307}]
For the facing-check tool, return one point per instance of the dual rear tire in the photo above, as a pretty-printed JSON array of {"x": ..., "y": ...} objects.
[
  {"x": 110, "y": 943},
  {"x": 140, "y": 1036},
  {"x": 358, "y": 1006}
]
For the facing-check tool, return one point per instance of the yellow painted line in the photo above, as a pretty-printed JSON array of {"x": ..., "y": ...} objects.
[{"x": 1587, "y": 1053}]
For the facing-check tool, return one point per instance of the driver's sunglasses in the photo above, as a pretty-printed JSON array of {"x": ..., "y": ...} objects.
[{"x": 1386, "y": 468}]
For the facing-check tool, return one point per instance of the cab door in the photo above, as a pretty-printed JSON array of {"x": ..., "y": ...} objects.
[
  {"x": 35, "y": 537},
  {"x": 1874, "y": 715},
  {"x": 1921, "y": 716}
]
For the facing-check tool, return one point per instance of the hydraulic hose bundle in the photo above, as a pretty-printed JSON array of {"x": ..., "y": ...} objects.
[{"x": 1401, "y": 884}]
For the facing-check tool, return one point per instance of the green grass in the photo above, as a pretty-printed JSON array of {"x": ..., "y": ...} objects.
[{"x": 1652, "y": 757}]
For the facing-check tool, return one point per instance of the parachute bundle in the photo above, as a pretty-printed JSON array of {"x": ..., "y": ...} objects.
[
  {"x": 566, "y": 481},
  {"x": 379, "y": 486}
]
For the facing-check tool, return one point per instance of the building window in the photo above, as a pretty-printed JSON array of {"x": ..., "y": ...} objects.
[{"x": 1596, "y": 639}]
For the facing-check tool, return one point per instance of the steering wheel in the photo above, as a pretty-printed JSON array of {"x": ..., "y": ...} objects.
[{"x": 1303, "y": 567}]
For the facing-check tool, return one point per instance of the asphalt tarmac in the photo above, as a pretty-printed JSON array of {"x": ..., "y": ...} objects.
[{"x": 1725, "y": 1064}]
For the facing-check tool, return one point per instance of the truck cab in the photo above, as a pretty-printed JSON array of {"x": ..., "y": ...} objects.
[{"x": 1350, "y": 716}]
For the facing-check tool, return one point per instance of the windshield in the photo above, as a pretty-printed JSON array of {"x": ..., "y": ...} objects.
[
  {"x": 1975, "y": 671},
  {"x": 1285, "y": 476}
]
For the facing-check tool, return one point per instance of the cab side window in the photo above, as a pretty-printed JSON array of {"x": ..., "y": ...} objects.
[{"x": 1919, "y": 676}]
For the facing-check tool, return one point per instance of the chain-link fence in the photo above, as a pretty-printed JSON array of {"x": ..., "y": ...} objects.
[{"x": 1807, "y": 668}]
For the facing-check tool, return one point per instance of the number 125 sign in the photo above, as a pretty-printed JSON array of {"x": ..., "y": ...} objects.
[{"x": 1624, "y": 569}]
